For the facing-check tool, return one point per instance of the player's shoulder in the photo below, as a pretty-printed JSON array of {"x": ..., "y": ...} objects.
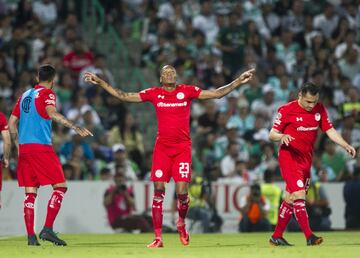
[
  {"x": 319, "y": 107},
  {"x": 288, "y": 106},
  {"x": 151, "y": 89},
  {"x": 187, "y": 87}
]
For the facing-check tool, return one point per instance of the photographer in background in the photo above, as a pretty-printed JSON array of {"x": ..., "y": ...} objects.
[
  {"x": 119, "y": 203},
  {"x": 254, "y": 209}
]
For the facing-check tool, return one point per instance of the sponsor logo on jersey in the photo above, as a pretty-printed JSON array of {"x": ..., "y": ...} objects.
[
  {"x": 317, "y": 117},
  {"x": 299, "y": 119},
  {"x": 181, "y": 104},
  {"x": 159, "y": 173},
  {"x": 180, "y": 95},
  {"x": 302, "y": 128},
  {"x": 50, "y": 102}
]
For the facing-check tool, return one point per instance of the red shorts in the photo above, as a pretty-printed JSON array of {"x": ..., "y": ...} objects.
[
  {"x": 39, "y": 168},
  {"x": 171, "y": 161},
  {"x": 295, "y": 170}
]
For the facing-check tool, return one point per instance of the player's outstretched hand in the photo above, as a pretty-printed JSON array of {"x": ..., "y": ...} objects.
[
  {"x": 92, "y": 78},
  {"x": 286, "y": 139},
  {"x": 351, "y": 150},
  {"x": 5, "y": 162},
  {"x": 246, "y": 76},
  {"x": 83, "y": 131}
]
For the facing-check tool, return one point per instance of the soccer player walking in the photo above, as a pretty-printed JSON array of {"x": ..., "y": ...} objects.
[
  {"x": 37, "y": 162},
  {"x": 172, "y": 150},
  {"x": 295, "y": 127}
]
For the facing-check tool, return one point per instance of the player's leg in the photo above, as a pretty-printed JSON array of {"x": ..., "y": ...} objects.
[
  {"x": 157, "y": 213},
  {"x": 303, "y": 219},
  {"x": 182, "y": 206},
  {"x": 27, "y": 178},
  {"x": 54, "y": 205},
  {"x": 287, "y": 168},
  {"x": 49, "y": 172},
  {"x": 160, "y": 174},
  {"x": 181, "y": 172},
  {"x": 29, "y": 214},
  {"x": 285, "y": 214}
]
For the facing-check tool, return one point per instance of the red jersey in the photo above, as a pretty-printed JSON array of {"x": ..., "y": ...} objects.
[
  {"x": 118, "y": 208},
  {"x": 77, "y": 62},
  {"x": 3, "y": 123},
  {"x": 45, "y": 98},
  {"x": 303, "y": 125},
  {"x": 172, "y": 111}
]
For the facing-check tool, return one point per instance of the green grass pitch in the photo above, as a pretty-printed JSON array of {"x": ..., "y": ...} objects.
[{"x": 336, "y": 244}]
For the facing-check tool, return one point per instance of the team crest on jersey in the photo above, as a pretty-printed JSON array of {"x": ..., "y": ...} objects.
[
  {"x": 317, "y": 117},
  {"x": 180, "y": 95},
  {"x": 52, "y": 96},
  {"x": 300, "y": 183},
  {"x": 26, "y": 104},
  {"x": 158, "y": 173}
]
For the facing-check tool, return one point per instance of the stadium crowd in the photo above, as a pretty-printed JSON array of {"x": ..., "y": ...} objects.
[{"x": 208, "y": 42}]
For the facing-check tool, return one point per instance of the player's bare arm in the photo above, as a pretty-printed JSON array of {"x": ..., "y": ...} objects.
[
  {"x": 13, "y": 120},
  {"x": 338, "y": 139},
  {"x": 57, "y": 117},
  {"x": 277, "y": 136},
  {"x": 7, "y": 147},
  {"x": 226, "y": 89},
  {"x": 121, "y": 95}
]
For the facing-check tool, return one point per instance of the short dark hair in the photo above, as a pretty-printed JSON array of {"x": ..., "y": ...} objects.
[
  {"x": 46, "y": 73},
  {"x": 309, "y": 87}
]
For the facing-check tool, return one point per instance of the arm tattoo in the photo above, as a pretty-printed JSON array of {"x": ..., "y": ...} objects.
[
  {"x": 59, "y": 118},
  {"x": 226, "y": 89}
]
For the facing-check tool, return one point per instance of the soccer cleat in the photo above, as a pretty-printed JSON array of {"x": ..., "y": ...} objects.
[
  {"x": 47, "y": 234},
  {"x": 314, "y": 240},
  {"x": 279, "y": 241},
  {"x": 184, "y": 235},
  {"x": 157, "y": 243},
  {"x": 32, "y": 240}
]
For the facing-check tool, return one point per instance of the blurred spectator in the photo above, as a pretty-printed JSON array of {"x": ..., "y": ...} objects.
[
  {"x": 80, "y": 155},
  {"x": 120, "y": 160},
  {"x": 351, "y": 196},
  {"x": 232, "y": 42},
  {"x": 129, "y": 135},
  {"x": 227, "y": 164},
  {"x": 334, "y": 159},
  {"x": 317, "y": 205},
  {"x": 273, "y": 193},
  {"x": 200, "y": 208},
  {"x": 327, "y": 21},
  {"x": 206, "y": 22},
  {"x": 78, "y": 58},
  {"x": 254, "y": 209},
  {"x": 45, "y": 11},
  {"x": 119, "y": 203}
]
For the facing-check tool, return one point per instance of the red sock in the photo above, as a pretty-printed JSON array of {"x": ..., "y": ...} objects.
[
  {"x": 157, "y": 212},
  {"x": 54, "y": 205},
  {"x": 302, "y": 217},
  {"x": 29, "y": 212},
  {"x": 285, "y": 212},
  {"x": 182, "y": 206}
]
